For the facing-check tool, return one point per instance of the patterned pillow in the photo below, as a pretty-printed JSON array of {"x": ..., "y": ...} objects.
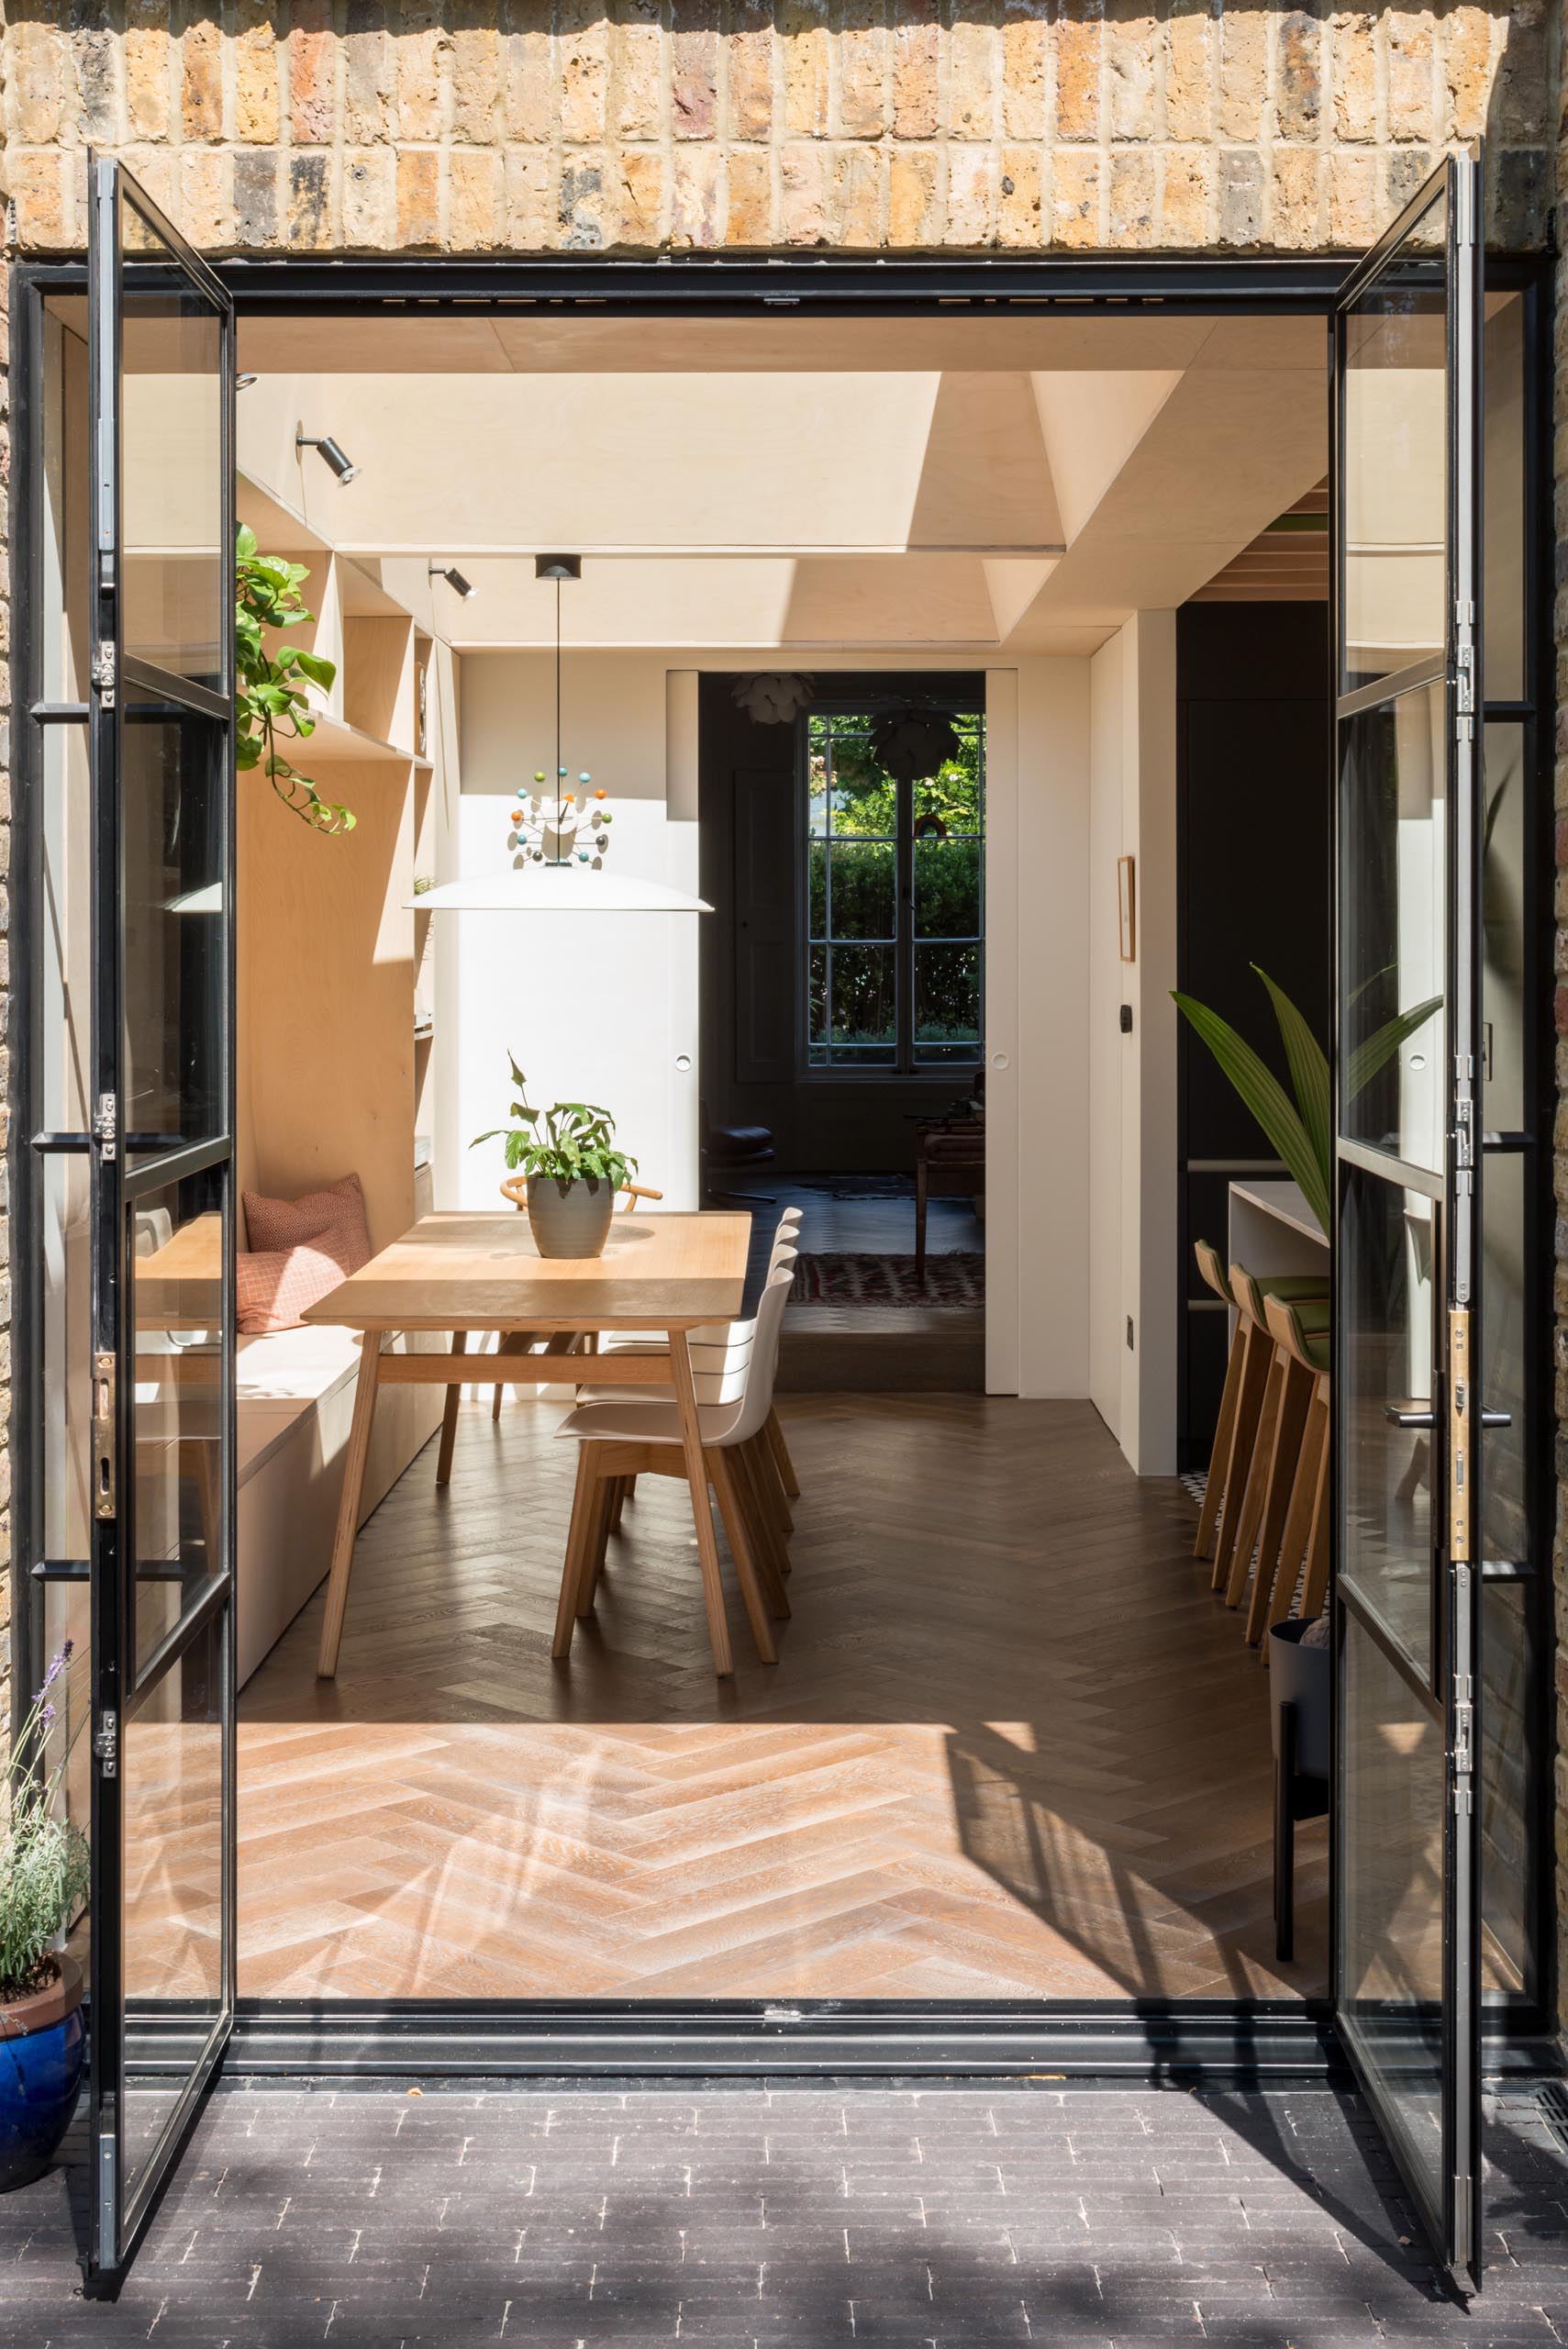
[{"x": 300, "y": 1249}]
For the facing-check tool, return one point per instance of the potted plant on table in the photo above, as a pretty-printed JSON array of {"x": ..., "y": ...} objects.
[
  {"x": 573, "y": 1167},
  {"x": 44, "y": 1876}
]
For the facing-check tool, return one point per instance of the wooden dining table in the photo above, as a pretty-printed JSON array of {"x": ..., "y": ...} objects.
[{"x": 472, "y": 1274}]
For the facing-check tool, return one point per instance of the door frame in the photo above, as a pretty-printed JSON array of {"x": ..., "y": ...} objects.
[{"x": 1228, "y": 2040}]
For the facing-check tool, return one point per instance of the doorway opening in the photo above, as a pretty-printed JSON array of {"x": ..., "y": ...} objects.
[{"x": 1016, "y": 1746}]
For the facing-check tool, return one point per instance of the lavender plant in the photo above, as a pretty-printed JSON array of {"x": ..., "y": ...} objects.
[{"x": 44, "y": 1865}]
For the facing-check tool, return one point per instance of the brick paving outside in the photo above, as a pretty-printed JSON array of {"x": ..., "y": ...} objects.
[{"x": 370, "y": 2216}]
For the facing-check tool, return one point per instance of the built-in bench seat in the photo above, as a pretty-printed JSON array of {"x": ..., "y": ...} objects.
[{"x": 295, "y": 1406}]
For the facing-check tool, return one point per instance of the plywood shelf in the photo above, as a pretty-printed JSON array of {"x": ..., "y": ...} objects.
[{"x": 336, "y": 744}]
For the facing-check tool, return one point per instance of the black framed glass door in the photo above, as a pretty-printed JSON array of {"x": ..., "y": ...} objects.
[
  {"x": 1407, "y": 508},
  {"x": 160, "y": 1204}
]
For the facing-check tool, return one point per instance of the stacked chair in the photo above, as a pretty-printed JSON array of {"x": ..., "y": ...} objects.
[
  {"x": 626, "y": 1432},
  {"x": 1265, "y": 1521}
]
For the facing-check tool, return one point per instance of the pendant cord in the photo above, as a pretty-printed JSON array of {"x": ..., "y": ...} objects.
[{"x": 560, "y": 807}]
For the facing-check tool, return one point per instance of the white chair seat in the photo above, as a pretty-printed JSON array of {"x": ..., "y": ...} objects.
[{"x": 617, "y": 1421}]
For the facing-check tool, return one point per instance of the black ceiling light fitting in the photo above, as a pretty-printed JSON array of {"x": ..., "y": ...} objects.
[
  {"x": 343, "y": 464},
  {"x": 914, "y": 742},
  {"x": 454, "y": 579}
]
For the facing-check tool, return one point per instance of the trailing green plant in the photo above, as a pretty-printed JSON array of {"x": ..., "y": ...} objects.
[
  {"x": 270, "y": 700},
  {"x": 570, "y": 1143},
  {"x": 1301, "y": 1132},
  {"x": 44, "y": 1862}
]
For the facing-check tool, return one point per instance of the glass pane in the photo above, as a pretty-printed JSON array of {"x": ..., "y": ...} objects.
[
  {"x": 817, "y": 777},
  {"x": 1504, "y": 1037},
  {"x": 67, "y": 1332},
  {"x": 1395, "y": 462},
  {"x": 862, "y": 1012},
  {"x": 1392, "y": 1907},
  {"x": 947, "y": 1002},
  {"x": 1506, "y": 1775},
  {"x": 1392, "y": 896},
  {"x": 171, "y": 1769},
  {"x": 1502, "y": 611},
  {"x": 864, "y": 797},
  {"x": 65, "y": 944},
  {"x": 63, "y": 537},
  {"x": 67, "y": 1619},
  {"x": 947, "y": 888},
  {"x": 862, "y": 899},
  {"x": 816, "y": 889},
  {"x": 174, "y": 881},
  {"x": 816, "y": 1004},
  {"x": 177, "y": 572},
  {"x": 1504, "y": 1339},
  {"x": 176, "y": 1322},
  {"x": 1386, "y": 1364}
]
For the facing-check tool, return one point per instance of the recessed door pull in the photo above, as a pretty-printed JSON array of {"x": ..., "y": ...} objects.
[{"x": 104, "y": 1433}]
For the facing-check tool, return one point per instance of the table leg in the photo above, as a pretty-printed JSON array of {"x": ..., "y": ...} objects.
[
  {"x": 696, "y": 1476},
  {"x": 448, "y": 1416},
  {"x": 348, "y": 1502}
]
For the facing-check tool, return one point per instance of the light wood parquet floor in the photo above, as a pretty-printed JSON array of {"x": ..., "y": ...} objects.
[{"x": 1013, "y": 1747}]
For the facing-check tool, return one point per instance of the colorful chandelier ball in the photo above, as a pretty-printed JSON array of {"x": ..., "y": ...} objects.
[{"x": 573, "y": 828}]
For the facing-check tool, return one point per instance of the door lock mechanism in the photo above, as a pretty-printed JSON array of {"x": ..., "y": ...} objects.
[{"x": 104, "y": 1417}]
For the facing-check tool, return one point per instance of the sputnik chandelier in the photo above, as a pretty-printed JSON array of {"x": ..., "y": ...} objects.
[{"x": 556, "y": 828}]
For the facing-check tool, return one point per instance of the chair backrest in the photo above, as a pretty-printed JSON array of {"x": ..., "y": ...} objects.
[
  {"x": 757, "y": 1397},
  {"x": 1246, "y": 1296},
  {"x": 722, "y": 1350},
  {"x": 516, "y": 1189},
  {"x": 1211, "y": 1270}
]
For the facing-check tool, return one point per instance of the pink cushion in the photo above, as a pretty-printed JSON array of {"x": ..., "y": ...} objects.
[{"x": 300, "y": 1249}]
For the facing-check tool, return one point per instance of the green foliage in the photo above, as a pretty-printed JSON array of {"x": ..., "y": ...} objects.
[
  {"x": 1301, "y": 1132},
  {"x": 570, "y": 1143},
  {"x": 270, "y": 700},
  {"x": 45, "y": 1868}
]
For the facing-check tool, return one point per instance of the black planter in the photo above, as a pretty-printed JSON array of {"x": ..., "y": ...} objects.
[{"x": 1301, "y": 1678}]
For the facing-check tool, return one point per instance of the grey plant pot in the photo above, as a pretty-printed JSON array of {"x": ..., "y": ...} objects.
[
  {"x": 1301, "y": 1676},
  {"x": 571, "y": 1222}
]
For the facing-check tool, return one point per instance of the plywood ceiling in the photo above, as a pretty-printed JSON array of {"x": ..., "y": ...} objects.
[{"x": 993, "y": 482}]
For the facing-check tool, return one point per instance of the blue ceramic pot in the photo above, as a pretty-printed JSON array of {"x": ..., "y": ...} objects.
[{"x": 43, "y": 2042}]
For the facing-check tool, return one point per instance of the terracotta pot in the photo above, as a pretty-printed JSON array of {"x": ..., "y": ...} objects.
[
  {"x": 574, "y": 1221},
  {"x": 43, "y": 2042}
]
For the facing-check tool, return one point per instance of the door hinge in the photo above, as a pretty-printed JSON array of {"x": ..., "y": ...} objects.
[
  {"x": 106, "y": 1123},
  {"x": 104, "y": 671},
  {"x": 107, "y": 1744},
  {"x": 105, "y": 1433},
  {"x": 1464, "y": 682}
]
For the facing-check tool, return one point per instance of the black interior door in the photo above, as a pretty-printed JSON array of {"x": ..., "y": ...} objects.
[
  {"x": 162, "y": 522},
  {"x": 1407, "y": 508}
]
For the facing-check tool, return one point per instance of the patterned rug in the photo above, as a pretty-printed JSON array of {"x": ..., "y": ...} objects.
[{"x": 889, "y": 1280}]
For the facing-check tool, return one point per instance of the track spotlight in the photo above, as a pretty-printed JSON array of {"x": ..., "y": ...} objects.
[
  {"x": 454, "y": 579},
  {"x": 244, "y": 382},
  {"x": 343, "y": 466}
]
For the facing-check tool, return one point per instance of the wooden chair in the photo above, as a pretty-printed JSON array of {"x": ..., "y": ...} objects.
[
  {"x": 618, "y": 1440},
  {"x": 950, "y": 1163},
  {"x": 1303, "y": 1560},
  {"x": 1282, "y": 1419},
  {"x": 1242, "y": 1407}
]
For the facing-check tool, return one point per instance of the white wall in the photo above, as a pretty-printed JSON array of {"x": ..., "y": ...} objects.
[{"x": 1131, "y": 1119}]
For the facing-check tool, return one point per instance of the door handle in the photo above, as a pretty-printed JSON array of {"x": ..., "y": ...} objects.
[
  {"x": 1411, "y": 1415},
  {"x": 1496, "y": 1419}
]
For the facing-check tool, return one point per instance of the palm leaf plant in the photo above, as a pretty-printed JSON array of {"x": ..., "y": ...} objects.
[{"x": 1301, "y": 1132}]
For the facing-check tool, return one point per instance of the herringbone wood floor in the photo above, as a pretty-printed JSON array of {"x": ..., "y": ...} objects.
[{"x": 1013, "y": 1746}]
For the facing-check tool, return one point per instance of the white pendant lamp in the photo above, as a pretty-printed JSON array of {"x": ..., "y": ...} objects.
[{"x": 560, "y": 838}]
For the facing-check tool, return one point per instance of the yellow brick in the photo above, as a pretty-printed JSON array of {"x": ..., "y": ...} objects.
[
  {"x": 584, "y": 72},
  {"x": 1353, "y": 223},
  {"x": 256, "y": 76},
  {"x": 419, "y": 197},
  {"x": 421, "y": 75},
  {"x": 1076, "y": 197},
  {"x": 914, "y": 218},
  {"x": 970, "y": 208},
  {"x": 916, "y": 55},
  {"x": 1243, "y": 74},
  {"x": 201, "y": 80},
  {"x": 1295, "y": 223},
  {"x": 1131, "y": 196},
  {"x": 475, "y": 201},
  {"x": 476, "y": 83},
  {"x": 695, "y": 197},
  {"x": 1189, "y": 72},
  {"x": 526, "y": 73},
  {"x": 973, "y": 56},
  {"x": 1186, "y": 208},
  {"x": 313, "y": 58},
  {"x": 1078, "y": 71},
  {"x": 862, "y": 198},
  {"x": 806, "y": 194},
  {"x": 370, "y": 198},
  {"x": 751, "y": 63},
  {"x": 207, "y": 196},
  {"x": 1355, "y": 79},
  {"x": 863, "y": 60},
  {"x": 1412, "y": 83},
  {"x": 149, "y": 55},
  {"x": 749, "y": 204},
  {"x": 527, "y": 198},
  {"x": 1025, "y": 57},
  {"x": 1018, "y": 198},
  {"x": 1129, "y": 60},
  {"x": 694, "y": 79},
  {"x": 808, "y": 48},
  {"x": 1467, "y": 71},
  {"x": 639, "y": 76},
  {"x": 644, "y": 189}
]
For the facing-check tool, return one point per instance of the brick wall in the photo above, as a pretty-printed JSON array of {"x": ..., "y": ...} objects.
[{"x": 602, "y": 124}]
